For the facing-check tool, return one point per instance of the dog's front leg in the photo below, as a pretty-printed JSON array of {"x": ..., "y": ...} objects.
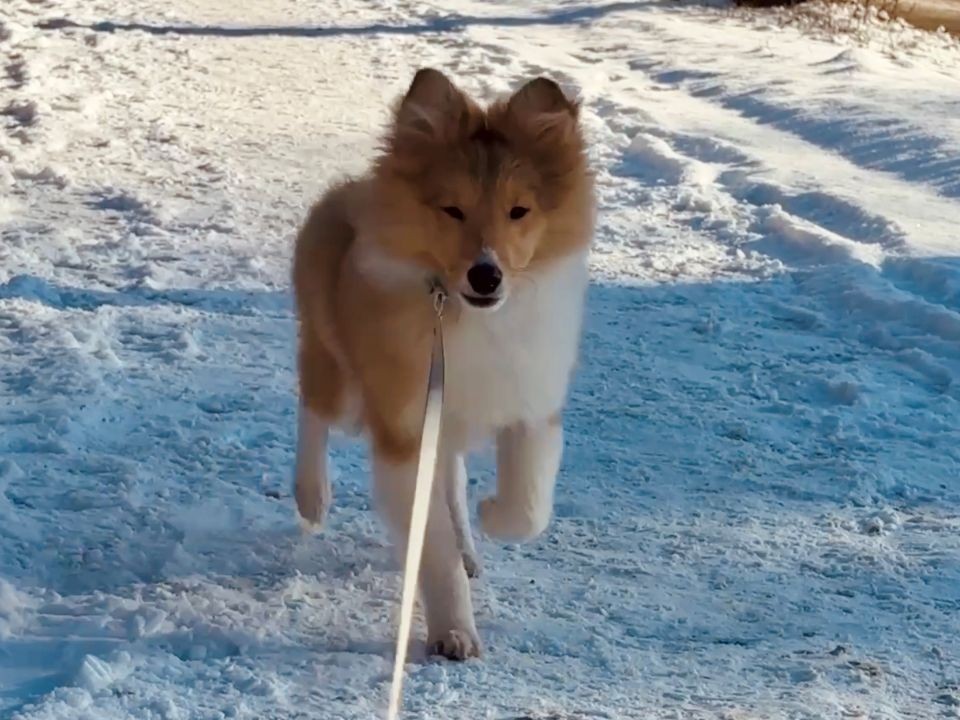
[
  {"x": 444, "y": 586},
  {"x": 528, "y": 459}
]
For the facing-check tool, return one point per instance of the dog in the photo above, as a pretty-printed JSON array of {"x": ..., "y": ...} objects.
[{"x": 497, "y": 204}]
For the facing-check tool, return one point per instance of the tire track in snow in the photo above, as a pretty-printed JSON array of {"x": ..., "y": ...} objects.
[
  {"x": 861, "y": 129},
  {"x": 829, "y": 230},
  {"x": 800, "y": 243}
]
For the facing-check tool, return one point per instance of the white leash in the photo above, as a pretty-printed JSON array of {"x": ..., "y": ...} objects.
[{"x": 426, "y": 470}]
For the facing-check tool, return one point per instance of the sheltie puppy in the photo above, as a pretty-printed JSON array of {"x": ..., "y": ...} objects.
[{"x": 498, "y": 205}]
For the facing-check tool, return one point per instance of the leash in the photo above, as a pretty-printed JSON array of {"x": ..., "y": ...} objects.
[{"x": 426, "y": 470}]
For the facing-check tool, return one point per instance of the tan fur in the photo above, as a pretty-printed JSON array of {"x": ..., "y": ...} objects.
[
  {"x": 365, "y": 333},
  {"x": 354, "y": 331}
]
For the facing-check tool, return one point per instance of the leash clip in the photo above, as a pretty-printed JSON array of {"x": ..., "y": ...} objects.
[{"x": 439, "y": 294}]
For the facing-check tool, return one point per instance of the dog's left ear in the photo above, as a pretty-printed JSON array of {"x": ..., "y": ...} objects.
[{"x": 544, "y": 108}]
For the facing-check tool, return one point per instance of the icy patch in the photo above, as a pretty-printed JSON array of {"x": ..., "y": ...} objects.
[
  {"x": 15, "y": 609},
  {"x": 96, "y": 674},
  {"x": 653, "y": 157},
  {"x": 24, "y": 112},
  {"x": 799, "y": 243},
  {"x": 882, "y": 522},
  {"x": 655, "y": 160},
  {"x": 44, "y": 175}
]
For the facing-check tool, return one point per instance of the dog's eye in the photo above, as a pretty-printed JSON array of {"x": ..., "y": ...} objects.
[
  {"x": 454, "y": 212},
  {"x": 518, "y": 212}
]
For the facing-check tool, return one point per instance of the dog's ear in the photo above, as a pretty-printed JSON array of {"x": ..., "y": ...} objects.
[
  {"x": 543, "y": 108},
  {"x": 433, "y": 108},
  {"x": 546, "y": 123},
  {"x": 542, "y": 95}
]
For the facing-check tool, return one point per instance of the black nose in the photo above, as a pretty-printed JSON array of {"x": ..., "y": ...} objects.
[{"x": 484, "y": 278}]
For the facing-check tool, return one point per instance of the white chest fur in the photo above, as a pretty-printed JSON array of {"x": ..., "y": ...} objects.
[{"x": 514, "y": 364}]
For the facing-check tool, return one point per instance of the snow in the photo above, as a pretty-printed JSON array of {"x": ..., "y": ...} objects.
[{"x": 759, "y": 510}]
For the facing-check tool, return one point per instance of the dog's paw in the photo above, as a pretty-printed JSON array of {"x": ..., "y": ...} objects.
[
  {"x": 472, "y": 563},
  {"x": 510, "y": 524},
  {"x": 456, "y": 645},
  {"x": 313, "y": 502}
]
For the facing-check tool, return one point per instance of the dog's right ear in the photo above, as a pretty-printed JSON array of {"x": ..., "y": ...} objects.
[
  {"x": 544, "y": 112},
  {"x": 433, "y": 108}
]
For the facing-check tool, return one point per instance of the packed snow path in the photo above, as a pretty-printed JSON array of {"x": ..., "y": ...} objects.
[{"x": 759, "y": 512}]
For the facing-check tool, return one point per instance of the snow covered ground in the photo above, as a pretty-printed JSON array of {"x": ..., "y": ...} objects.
[{"x": 759, "y": 515}]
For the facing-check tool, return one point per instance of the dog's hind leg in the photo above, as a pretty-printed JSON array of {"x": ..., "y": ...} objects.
[
  {"x": 454, "y": 472},
  {"x": 312, "y": 487},
  {"x": 528, "y": 459},
  {"x": 320, "y": 403},
  {"x": 321, "y": 245}
]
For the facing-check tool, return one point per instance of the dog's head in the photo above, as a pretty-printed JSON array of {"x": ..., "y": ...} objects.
[{"x": 482, "y": 196}]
